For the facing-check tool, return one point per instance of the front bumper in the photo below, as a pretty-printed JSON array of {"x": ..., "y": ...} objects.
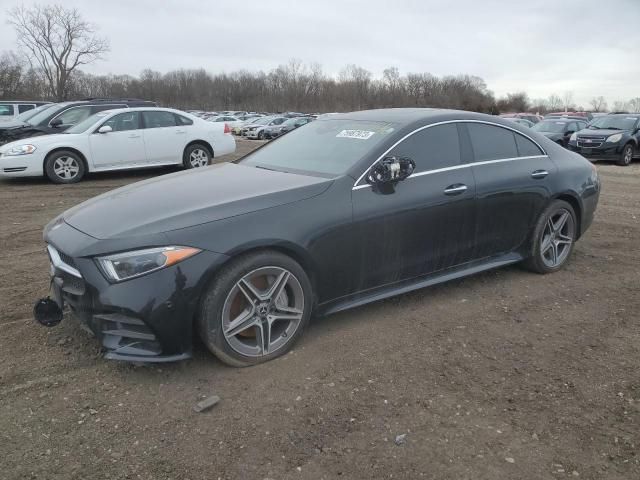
[
  {"x": 145, "y": 319},
  {"x": 602, "y": 152},
  {"x": 252, "y": 134},
  {"x": 22, "y": 165}
]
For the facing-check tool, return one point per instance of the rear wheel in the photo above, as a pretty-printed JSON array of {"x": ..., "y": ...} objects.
[
  {"x": 626, "y": 156},
  {"x": 64, "y": 166},
  {"x": 256, "y": 309},
  {"x": 196, "y": 155},
  {"x": 553, "y": 238}
]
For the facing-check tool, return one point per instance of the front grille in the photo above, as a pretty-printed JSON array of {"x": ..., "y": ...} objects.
[
  {"x": 67, "y": 259},
  {"x": 590, "y": 141}
]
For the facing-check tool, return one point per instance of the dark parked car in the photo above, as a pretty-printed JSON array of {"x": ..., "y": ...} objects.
[
  {"x": 347, "y": 210},
  {"x": 587, "y": 116},
  {"x": 560, "y": 129},
  {"x": 611, "y": 137},
  {"x": 65, "y": 115}
]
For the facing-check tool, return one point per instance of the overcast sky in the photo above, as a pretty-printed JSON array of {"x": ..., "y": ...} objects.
[{"x": 589, "y": 47}]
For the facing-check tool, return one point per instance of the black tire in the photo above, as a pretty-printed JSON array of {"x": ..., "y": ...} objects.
[
  {"x": 220, "y": 293},
  {"x": 537, "y": 261},
  {"x": 626, "y": 156},
  {"x": 196, "y": 155},
  {"x": 261, "y": 135},
  {"x": 64, "y": 166}
]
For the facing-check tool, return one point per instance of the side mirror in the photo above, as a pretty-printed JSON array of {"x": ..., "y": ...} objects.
[
  {"x": 391, "y": 170},
  {"x": 105, "y": 129},
  {"x": 56, "y": 123}
]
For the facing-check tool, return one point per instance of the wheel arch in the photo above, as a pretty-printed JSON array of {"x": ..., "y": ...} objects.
[
  {"x": 67, "y": 149},
  {"x": 199, "y": 142},
  {"x": 572, "y": 199},
  {"x": 296, "y": 252}
]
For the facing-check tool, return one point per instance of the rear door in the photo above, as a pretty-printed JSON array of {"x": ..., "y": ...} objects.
[
  {"x": 512, "y": 176},
  {"x": 123, "y": 146},
  {"x": 426, "y": 223},
  {"x": 164, "y": 139}
]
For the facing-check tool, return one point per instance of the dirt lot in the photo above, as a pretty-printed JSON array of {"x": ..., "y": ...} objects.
[{"x": 505, "y": 375}]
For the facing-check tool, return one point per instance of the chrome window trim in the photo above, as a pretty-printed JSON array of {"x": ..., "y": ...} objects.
[
  {"x": 458, "y": 167},
  {"x": 454, "y": 167},
  {"x": 59, "y": 264}
]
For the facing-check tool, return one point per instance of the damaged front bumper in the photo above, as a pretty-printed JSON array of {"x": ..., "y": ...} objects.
[{"x": 145, "y": 319}]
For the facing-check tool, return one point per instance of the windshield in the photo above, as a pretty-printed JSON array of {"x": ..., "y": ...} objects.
[
  {"x": 24, "y": 116},
  {"x": 291, "y": 121},
  {"x": 85, "y": 124},
  {"x": 46, "y": 113},
  {"x": 326, "y": 147},
  {"x": 613, "y": 122},
  {"x": 550, "y": 126}
]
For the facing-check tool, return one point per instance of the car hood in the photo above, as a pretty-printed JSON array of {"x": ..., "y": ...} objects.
[
  {"x": 600, "y": 133},
  {"x": 38, "y": 141},
  {"x": 189, "y": 198}
]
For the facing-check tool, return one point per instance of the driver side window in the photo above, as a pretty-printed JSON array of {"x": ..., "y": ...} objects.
[
  {"x": 124, "y": 122},
  {"x": 73, "y": 115},
  {"x": 432, "y": 148}
]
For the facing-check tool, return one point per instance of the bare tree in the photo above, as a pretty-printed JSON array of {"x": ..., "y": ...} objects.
[
  {"x": 554, "y": 102},
  {"x": 634, "y": 105},
  {"x": 620, "y": 106},
  {"x": 58, "y": 40},
  {"x": 567, "y": 100},
  {"x": 599, "y": 104}
]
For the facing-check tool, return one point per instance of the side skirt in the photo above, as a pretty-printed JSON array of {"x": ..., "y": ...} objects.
[{"x": 386, "y": 291}]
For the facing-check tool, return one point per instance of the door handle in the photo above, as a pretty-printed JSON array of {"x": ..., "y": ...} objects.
[
  {"x": 455, "y": 189},
  {"x": 539, "y": 174},
  {"x": 133, "y": 135},
  {"x": 178, "y": 132}
]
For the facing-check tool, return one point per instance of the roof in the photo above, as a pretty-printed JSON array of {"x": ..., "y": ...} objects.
[{"x": 410, "y": 116}]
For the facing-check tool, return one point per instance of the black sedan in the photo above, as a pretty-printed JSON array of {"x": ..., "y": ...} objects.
[
  {"x": 559, "y": 129},
  {"x": 348, "y": 210}
]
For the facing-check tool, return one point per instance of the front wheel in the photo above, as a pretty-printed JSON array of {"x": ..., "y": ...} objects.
[
  {"x": 196, "y": 156},
  {"x": 626, "y": 156},
  {"x": 256, "y": 308},
  {"x": 64, "y": 166},
  {"x": 261, "y": 135},
  {"x": 553, "y": 238}
]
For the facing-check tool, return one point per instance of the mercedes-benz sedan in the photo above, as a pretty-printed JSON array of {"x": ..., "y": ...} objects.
[{"x": 350, "y": 209}]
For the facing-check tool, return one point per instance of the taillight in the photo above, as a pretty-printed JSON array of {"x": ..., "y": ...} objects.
[{"x": 227, "y": 128}]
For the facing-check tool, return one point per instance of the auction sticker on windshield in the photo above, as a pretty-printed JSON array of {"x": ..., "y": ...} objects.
[{"x": 358, "y": 134}]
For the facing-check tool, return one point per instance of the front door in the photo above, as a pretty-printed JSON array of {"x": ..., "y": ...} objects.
[
  {"x": 425, "y": 223},
  {"x": 123, "y": 146}
]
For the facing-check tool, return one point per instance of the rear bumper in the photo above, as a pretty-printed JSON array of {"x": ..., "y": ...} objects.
[{"x": 146, "y": 319}]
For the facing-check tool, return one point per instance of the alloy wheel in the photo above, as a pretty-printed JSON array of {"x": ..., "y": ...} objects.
[
  {"x": 628, "y": 154},
  {"x": 198, "y": 158},
  {"x": 263, "y": 311},
  {"x": 66, "y": 168},
  {"x": 557, "y": 238}
]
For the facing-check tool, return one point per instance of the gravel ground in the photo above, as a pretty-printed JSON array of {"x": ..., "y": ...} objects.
[{"x": 504, "y": 375}]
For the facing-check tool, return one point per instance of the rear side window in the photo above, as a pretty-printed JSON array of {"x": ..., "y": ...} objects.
[
  {"x": 6, "y": 110},
  {"x": 159, "y": 119},
  {"x": 180, "y": 120},
  {"x": 431, "y": 148},
  {"x": 25, "y": 107},
  {"x": 526, "y": 148},
  {"x": 490, "y": 142}
]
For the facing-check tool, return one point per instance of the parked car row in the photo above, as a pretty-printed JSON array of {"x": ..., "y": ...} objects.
[{"x": 600, "y": 136}]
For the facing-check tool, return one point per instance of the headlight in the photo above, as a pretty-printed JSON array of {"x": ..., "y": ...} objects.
[
  {"x": 123, "y": 266},
  {"x": 614, "y": 138},
  {"x": 20, "y": 150},
  {"x": 573, "y": 137}
]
